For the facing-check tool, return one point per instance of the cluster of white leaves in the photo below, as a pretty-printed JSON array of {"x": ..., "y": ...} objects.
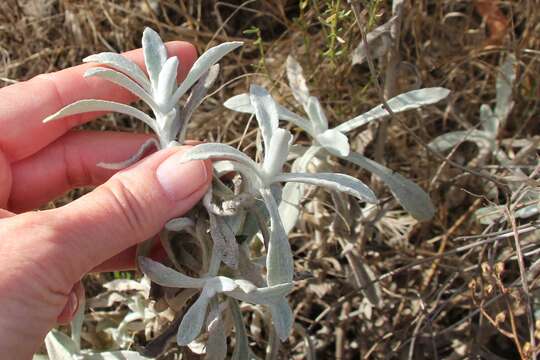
[
  {"x": 485, "y": 138},
  {"x": 258, "y": 205},
  {"x": 62, "y": 347},
  {"x": 335, "y": 141},
  {"x": 158, "y": 89}
]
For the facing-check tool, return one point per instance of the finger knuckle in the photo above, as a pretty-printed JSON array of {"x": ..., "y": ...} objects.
[{"x": 132, "y": 213}]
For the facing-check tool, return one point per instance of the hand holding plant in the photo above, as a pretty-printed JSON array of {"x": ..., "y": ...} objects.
[{"x": 45, "y": 253}]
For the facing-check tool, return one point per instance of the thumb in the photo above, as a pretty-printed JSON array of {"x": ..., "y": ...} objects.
[{"x": 129, "y": 208}]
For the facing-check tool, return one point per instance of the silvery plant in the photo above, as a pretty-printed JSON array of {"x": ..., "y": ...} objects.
[
  {"x": 233, "y": 247},
  {"x": 525, "y": 202}
]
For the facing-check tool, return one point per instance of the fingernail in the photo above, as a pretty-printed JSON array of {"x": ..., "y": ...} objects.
[{"x": 181, "y": 179}]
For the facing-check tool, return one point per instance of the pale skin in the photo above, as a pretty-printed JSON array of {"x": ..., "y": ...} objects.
[{"x": 45, "y": 254}]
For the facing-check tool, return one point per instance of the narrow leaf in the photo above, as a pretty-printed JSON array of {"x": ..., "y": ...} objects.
[
  {"x": 221, "y": 284},
  {"x": 283, "y": 318},
  {"x": 203, "y": 63},
  {"x": 77, "y": 323},
  {"x": 123, "y": 81},
  {"x": 379, "y": 42},
  {"x": 279, "y": 258},
  {"x": 264, "y": 296},
  {"x": 242, "y": 103},
  {"x": 166, "y": 84},
  {"x": 292, "y": 194},
  {"x": 198, "y": 92},
  {"x": 334, "y": 141},
  {"x": 216, "y": 346},
  {"x": 266, "y": 114},
  {"x": 165, "y": 276},
  {"x": 289, "y": 207},
  {"x": 220, "y": 152},
  {"x": 411, "y": 196},
  {"x": 179, "y": 224},
  {"x": 155, "y": 54},
  {"x": 316, "y": 115},
  {"x": 276, "y": 152},
  {"x": 133, "y": 159},
  {"x": 488, "y": 120},
  {"x": 193, "y": 320},
  {"x": 224, "y": 240},
  {"x": 338, "y": 182},
  {"x": 297, "y": 82},
  {"x": 123, "y": 64},
  {"x": 241, "y": 350},
  {"x": 449, "y": 140},
  {"x": 403, "y": 102},
  {"x": 504, "y": 84},
  {"x": 85, "y": 106},
  {"x": 60, "y": 346}
]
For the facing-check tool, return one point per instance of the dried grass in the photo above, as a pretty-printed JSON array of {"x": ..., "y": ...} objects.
[{"x": 444, "y": 294}]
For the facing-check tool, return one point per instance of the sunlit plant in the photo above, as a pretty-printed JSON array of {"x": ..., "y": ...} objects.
[
  {"x": 219, "y": 237},
  {"x": 334, "y": 141},
  {"x": 492, "y": 120}
]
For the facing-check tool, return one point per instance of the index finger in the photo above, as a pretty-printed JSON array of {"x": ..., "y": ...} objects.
[{"x": 23, "y": 106}]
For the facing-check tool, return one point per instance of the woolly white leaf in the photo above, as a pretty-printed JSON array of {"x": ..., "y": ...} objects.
[
  {"x": 123, "y": 64},
  {"x": 289, "y": 207},
  {"x": 489, "y": 214},
  {"x": 77, "y": 323},
  {"x": 379, "y": 42},
  {"x": 488, "y": 120},
  {"x": 60, "y": 346},
  {"x": 165, "y": 276},
  {"x": 221, "y": 284},
  {"x": 155, "y": 54},
  {"x": 297, "y": 82},
  {"x": 337, "y": 182},
  {"x": 266, "y": 114},
  {"x": 263, "y": 296},
  {"x": 504, "y": 84},
  {"x": 241, "y": 350},
  {"x": 133, "y": 159},
  {"x": 203, "y": 63},
  {"x": 335, "y": 141},
  {"x": 193, "y": 320},
  {"x": 166, "y": 83},
  {"x": 123, "y": 81},
  {"x": 283, "y": 318},
  {"x": 242, "y": 103},
  {"x": 224, "y": 240},
  {"x": 277, "y": 151},
  {"x": 179, "y": 224},
  {"x": 449, "y": 140},
  {"x": 220, "y": 152},
  {"x": 198, "y": 92},
  {"x": 279, "y": 258},
  {"x": 413, "y": 199},
  {"x": 527, "y": 211},
  {"x": 403, "y": 102},
  {"x": 245, "y": 285},
  {"x": 223, "y": 167},
  {"x": 84, "y": 106},
  {"x": 124, "y": 285},
  {"x": 216, "y": 346},
  {"x": 316, "y": 115}
]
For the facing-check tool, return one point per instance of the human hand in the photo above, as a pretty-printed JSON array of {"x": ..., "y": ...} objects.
[{"x": 44, "y": 254}]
